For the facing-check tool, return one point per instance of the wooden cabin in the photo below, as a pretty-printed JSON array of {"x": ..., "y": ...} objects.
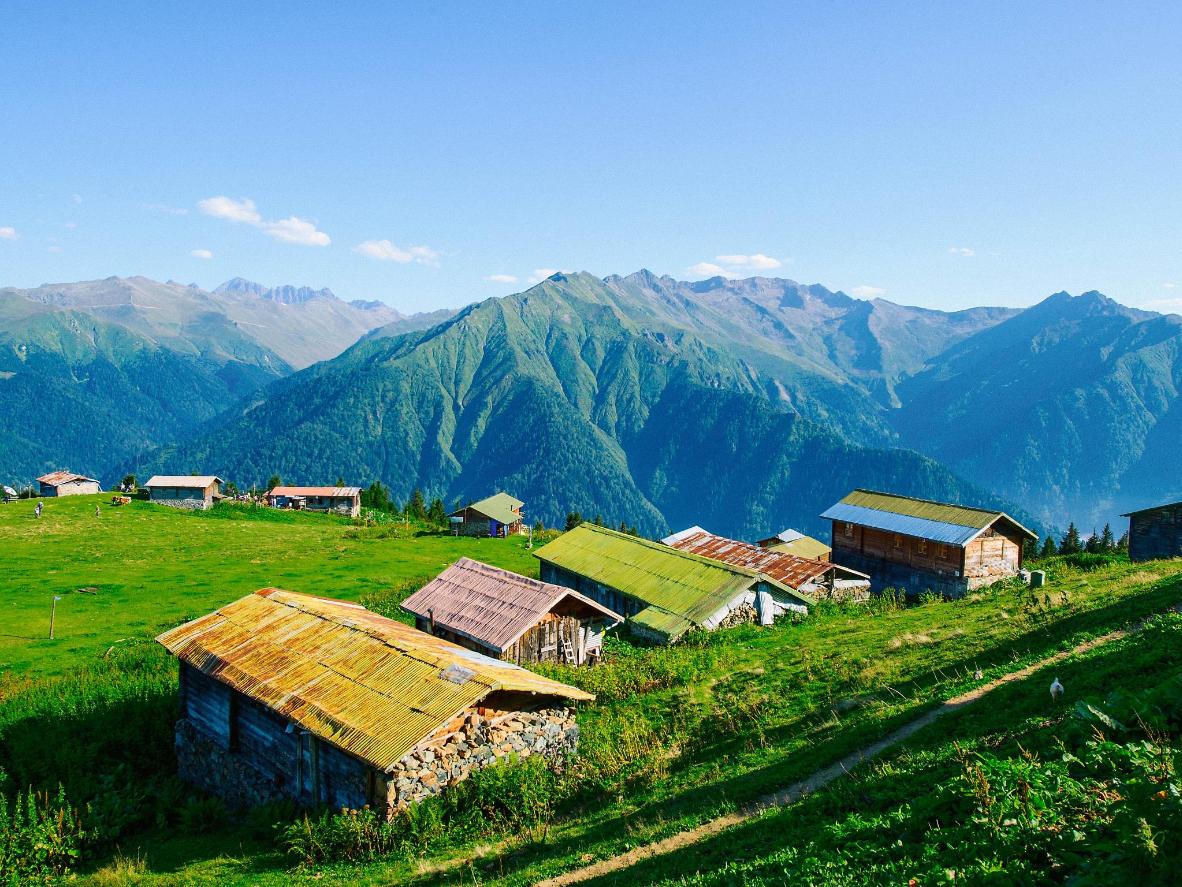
[
  {"x": 334, "y": 500},
  {"x": 286, "y": 695},
  {"x": 66, "y": 483},
  {"x": 194, "y": 493},
  {"x": 797, "y": 543},
  {"x": 498, "y": 515},
  {"x": 511, "y": 617},
  {"x": 1155, "y": 532},
  {"x": 918, "y": 545},
  {"x": 816, "y": 578},
  {"x": 664, "y": 592}
]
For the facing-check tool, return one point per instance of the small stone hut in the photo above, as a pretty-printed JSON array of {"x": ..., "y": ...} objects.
[
  {"x": 509, "y": 616},
  {"x": 197, "y": 492},
  {"x": 67, "y": 483},
  {"x": 1155, "y": 532},
  {"x": 498, "y": 515},
  {"x": 286, "y": 695}
]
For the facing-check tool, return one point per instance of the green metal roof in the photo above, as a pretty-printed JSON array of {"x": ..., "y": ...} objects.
[
  {"x": 978, "y": 518},
  {"x": 683, "y": 590},
  {"x": 500, "y": 507}
]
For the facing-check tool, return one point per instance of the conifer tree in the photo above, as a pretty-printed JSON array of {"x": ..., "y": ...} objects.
[
  {"x": 436, "y": 513},
  {"x": 1122, "y": 544},
  {"x": 573, "y": 519},
  {"x": 274, "y": 481},
  {"x": 1107, "y": 541},
  {"x": 1070, "y": 543},
  {"x": 1092, "y": 546},
  {"x": 417, "y": 506},
  {"x": 1048, "y": 547}
]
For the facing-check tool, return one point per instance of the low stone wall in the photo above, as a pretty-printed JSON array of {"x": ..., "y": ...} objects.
[
  {"x": 448, "y": 758},
  {"x": 204, "y": 763},
  {"x": 185, "y": 504}
]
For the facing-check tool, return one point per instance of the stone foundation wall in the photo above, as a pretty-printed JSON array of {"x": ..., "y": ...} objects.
[
  {"x": 202, "y": 762},
  {"x": 186, "y": 504},
  {"x": 479, "y": 741}
]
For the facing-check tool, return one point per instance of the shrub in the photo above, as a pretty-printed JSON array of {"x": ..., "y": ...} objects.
[
  {"x": 41, "y": 837},
  {"x": 202, "y": 815}
]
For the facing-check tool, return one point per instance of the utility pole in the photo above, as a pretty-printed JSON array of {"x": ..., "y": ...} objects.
[{"x": 53, "y": 614}]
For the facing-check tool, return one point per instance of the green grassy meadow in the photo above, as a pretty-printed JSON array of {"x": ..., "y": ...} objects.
[
  {"x": 676, "y": 736},
  {"x": 151, "y": 567}
]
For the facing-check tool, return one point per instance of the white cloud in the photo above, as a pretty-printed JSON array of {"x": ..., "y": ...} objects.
[
  {"x": 241, "y": 210},
  {"x": 77, "y": 198},
  {"x": 293, "y": 229},
  {"x": 385, "y": 251},
  {"x": 502, "y": 278},
  {"x": 296, "y": 230},
  {"x": 961, "y": 251},
  {"x": 8, "y": 233},
  {"x": 1169, "y": 284},
  {"x": 201, "y": 254},
  {"x": 55, "y": 249},
  {"x": 71, "y": 225},
  {"x": 709, "y": 269},
  {"x": 867, "y": 292},
  {"x": 756, "y": 262}
]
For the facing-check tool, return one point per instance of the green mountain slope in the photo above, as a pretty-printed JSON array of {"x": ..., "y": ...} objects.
[
  {"x": 573, "y": 397},
  {"x": 1071, "y": 407}
]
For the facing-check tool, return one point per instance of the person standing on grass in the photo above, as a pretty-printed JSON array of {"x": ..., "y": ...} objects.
[
  {"x": 97, "y": 511},
  {"x": 37, "y": 510}
]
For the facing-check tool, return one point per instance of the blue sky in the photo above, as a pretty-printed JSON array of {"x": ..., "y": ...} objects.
[{"x": 942, "y": 154}]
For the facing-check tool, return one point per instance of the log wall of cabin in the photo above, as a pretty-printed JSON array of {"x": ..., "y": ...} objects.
[
  {"x": 234, "y": 747},
  {"x": 1156, "y": 534},
  {"x": 897, "y": 548},
  {"x": 995, "y": 554}
]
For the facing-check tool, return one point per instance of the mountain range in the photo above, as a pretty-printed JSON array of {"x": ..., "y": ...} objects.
[
  {"x": 93, "y": 372},
  {"x": 742, "y": 405}
]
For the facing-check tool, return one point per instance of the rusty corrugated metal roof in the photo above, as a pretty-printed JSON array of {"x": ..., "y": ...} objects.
[
  {"x": 492, "y": 606},
  {"x": 335, "y": 492},
  {"x": 367, "y": 684},
  {"x": 56, "y": 478},
  {"x": 786, "y": 568}
]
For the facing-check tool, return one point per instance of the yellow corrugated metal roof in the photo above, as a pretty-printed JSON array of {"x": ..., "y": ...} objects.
[{"x": 369, "y": 685}]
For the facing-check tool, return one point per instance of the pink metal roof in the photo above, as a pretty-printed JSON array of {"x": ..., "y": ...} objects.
[
  {"x": 492, "y": 606},
  {"x": 338, "y": 492},
  {"x": 787, "y": 568},
  {"x": 55, "y": 478}
]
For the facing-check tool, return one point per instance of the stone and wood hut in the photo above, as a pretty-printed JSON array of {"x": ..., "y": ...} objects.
[
  {"x": 1155, "y": 532},
  {"x": 816, "y": 578},
  {"x": 919, "y": 545},
  {"x": 498, "y": 515},
  {"x": 511, "y": 617},
  {"x": 194, "y": 493},
  {"x": 664, "y": 592},
  {"x": 797, "y": 543},
  {"x": 334, "y": 500},
  {"x": 286, "y": 695},
  {"x": 66, "y": 483}
]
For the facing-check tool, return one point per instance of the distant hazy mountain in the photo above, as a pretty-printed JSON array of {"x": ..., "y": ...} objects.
[
  {"x": 1071, "y": 407},
  {"x": 93, "y": 372},
  {"x": 580, "y": 394}
]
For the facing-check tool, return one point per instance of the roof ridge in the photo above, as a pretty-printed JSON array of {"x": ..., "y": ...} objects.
[
  {"x": 669, "y": 549},
  {"x": 921, "y": 499}
]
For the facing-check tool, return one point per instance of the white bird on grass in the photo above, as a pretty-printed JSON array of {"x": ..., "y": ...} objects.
[{"x": 1056, "y": 689}]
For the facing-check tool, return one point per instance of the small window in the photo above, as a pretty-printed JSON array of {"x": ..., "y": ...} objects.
[
  {"x": 922, "y": 546},
  {"x": 942, "y": 552},
  {"x": 848, "y": 529},
  {"x": 898, "y": 541}
]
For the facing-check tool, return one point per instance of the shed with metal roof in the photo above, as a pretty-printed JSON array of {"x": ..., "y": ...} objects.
[
  {"x": 795, "y": 542},
  {"x": 1155, "y": 532},
  {"x": 817, "y": 578},
  {"x": 325, "y": 702},
  {"x": 196, "y": 492},
  {"x": 509, "y": 616},
  {"x": 664, "y": 592},
  {"x": 922, "y": 545},
  {"x": 67, "y": 483},
  {"x": 497, "y": 515},
  {"x": 335, "y": 500}
]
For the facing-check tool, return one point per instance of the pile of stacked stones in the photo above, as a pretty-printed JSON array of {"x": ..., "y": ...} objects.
[{"x": 445, "y": 760}]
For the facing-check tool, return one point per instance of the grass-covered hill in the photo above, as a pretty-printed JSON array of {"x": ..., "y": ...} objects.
[
  {"x": 677, "y": 736},
  {"x": 574, "y": 397}
]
